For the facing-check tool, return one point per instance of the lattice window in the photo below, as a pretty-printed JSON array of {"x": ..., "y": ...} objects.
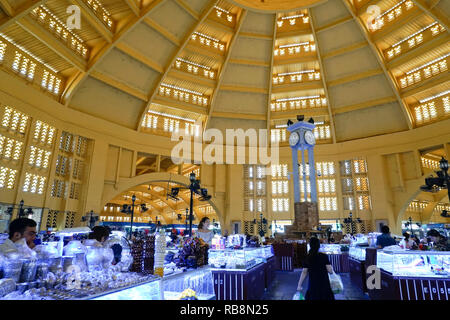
[
  {"x": 52, "y": 218},
  {"x": 249, "y": 227},
  {"x": 78, "y": 168},
  {"x": 349, "y": 203},
  {"x": 280, "y": 204},
  {"x": 7, "y": 178},
  {"x": 364, "y": 202},
  {"x": 51, "y": 82},
  {"x": 34, "y": 183},
  {"x": 70, "y": 219},
  {"x": 10, "y": 149},
  {"x": 63, "y": 165},
  {"x": 277, "y": 135},
  {"x": 327, "y": 203},
  {"x": 150, "y": 121},
  {"x": 66, "y": 142},
  {"x": 59, "y": 189},
  {"x": 75, "y": 191},
  {"x": 322, "y": 132},
  {"x": 44, "y": 133},
  {"x": 192, "y": 129},
  {"x": 24, "y": 65},
  {"x": 249, "y": 205},
  {"x": 171, "y": 125},
  {"x": 39, "y": 158},
  {"x": 14, "y": 120},
  {"x": 3, "y": 46},
  {"x": 81, "y": 147}
]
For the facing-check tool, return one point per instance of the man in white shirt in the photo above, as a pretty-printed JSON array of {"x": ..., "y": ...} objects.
[{"x": 21, "y": 228}]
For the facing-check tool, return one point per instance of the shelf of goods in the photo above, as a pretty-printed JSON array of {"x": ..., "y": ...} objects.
[
  {"x": 410, "y": 275},
  {"x": 242, "y": 274},
  {"x": 338, "y": 256},
  {"x": 357, "y": 266}
]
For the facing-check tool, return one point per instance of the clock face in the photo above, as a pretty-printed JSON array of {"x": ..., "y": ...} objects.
[
  {"x": 294, "y": 138},
  {"x": 309, "y": 138}
]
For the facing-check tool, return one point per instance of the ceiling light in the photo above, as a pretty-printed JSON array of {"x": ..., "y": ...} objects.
[
  {"x": 296, "y": 72},
  {"x": 181, "y": 89},
  {"x": 414, "y": 34},
  {"x": 427, "y": 64},
  {"x": 297, "y": 98},
  {"x": 294, "y": 45},
  {"x": 435, "y": 96},
  {"x": 293, "y": 17},
  {"x": 170, "y": 116},
  {"x": 193, "y": 63}
]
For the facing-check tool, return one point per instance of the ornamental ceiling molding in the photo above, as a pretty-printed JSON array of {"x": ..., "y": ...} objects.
[{"x": 274, "y": 6}]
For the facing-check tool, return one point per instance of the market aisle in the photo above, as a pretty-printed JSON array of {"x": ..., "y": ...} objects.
[{"x": 285, "y": 283}]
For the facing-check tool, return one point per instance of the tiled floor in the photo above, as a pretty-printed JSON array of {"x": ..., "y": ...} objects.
[{"x": 284, "y": 286}]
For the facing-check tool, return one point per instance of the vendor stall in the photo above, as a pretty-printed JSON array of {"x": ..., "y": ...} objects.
[
  {"x": 357, "y": 266},
  {"x": 411, "y": 275},
  {"x": 338, "y": 256},
  {"x": 241, "y": 274}
]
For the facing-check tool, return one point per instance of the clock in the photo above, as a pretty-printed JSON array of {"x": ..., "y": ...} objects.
[
  {"x": 293, "y": 139},
  {"x": 309, "y": 138}
]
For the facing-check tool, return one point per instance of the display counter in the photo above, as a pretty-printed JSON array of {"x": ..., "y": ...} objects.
[
  {"x": 338, "y": 256},
  {"x": 357, "y": 266},
  {"x": 411, "y": 275},
  {"x": 242, "y": 274}
]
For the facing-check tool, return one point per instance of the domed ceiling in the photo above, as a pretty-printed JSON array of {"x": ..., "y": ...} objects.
[{"x": 360, "y": 68}]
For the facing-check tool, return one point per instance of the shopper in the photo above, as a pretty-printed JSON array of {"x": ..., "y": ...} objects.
[
  {"x": 440, "y": 243},
  {"x": 385, "y": 239},
  {"x": 99, "y": 233},
  {"x": 203, "y": 231},
  {"x": 407, "y": 243},
  {"x": 21, "y": 228},
  {"x": 317, "y": 267}
]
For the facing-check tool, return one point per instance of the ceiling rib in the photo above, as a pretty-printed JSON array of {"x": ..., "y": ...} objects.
[
  {"x": 182, "y": 45},
  {"x": 166, "y": 34},
  {"x": 345, "y": 50},
  {"x": 140, "y": 57},
  {"x": 323, "y": 78},
  {"x": 133, "y": 6},
  {"x": 52, "y": 42},
  {"x": 364, "y": 105},
  {"x": 119, "y": 85},
  {"x": 95, "y": 60},
  {"x": 223, "y": 67},
  {"x": 20, "y": 12},
  {"x": 387, "y": 74},
  {"x": 7, "y": 8},
  {"x": 355, "y": 77},
  {"x": 93, "y": 20},
  {"x": 188, "y": 9},
  {"x": 270, "y": 82},
  {"x": 434, "y": 13},
  {"x": 334, "y": 24}
]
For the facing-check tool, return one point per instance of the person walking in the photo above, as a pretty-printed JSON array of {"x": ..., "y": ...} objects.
[{"x": 317, "y": 267}]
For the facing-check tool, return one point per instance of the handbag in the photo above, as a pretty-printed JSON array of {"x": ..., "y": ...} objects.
[{"x": 336, "y": 283}]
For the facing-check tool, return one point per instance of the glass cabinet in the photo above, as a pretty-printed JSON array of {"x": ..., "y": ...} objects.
[
  {"x": 412, "y": 263},
  {"x": 357, "y": 253},
  {"x": 234, "y": 259}
]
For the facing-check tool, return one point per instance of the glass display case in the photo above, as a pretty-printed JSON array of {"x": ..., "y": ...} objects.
[
  {"x": 198, "y": 282},
  {"x": 409, "y": 263},
  {"x": 333, "y": 248},
  {"x": 267, "y": 252},
  {"x": 242, "y": 259},
  {"x": 357, "y": 253},
  {"x": 147, "y": 291}
]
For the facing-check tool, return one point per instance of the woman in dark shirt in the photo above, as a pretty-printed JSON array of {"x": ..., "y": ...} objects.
[{"x": 317, "y": 266}]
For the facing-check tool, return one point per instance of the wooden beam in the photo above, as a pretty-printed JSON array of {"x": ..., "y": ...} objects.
[
  {"x": 93, "y": 20},
  {"x": 425, "y": 85},
  {"x": 294, "y": 33},
  {"x": 179, "y": 105},
  {"x": 434, "y": 12},
  {"x": 7, "y": 8},
  {"x": 354, "y": 77},
  {"x": 241, "y": 88},
  {"x": 323, "y": 79},
  {"x": 224, "y": 66},
  {"x": 50, "y": 40},
  {"x": 334, "y": 24},
  {"x": 187, "y": 76},
  {"x": 418, "y": 51},
  {"x": 297, "y": 86},
  {"x": 254, "y": 35},
  {"x": 188, "y": 9},
  {"x": 388, "y": 75},
  {"x": 119, "y": 85},
  {"x": 162, "y": 31},
  {"x": 402, "y": 20},
  {"x": 364, "y": 105},
  {"x": 133, "y": 6},
  {"x": 279, "y": 115},
  {"x": 294, "y": 60},
  {"x": 145, "y": 59},
  {"x": 258, "y": 63},
  {"x": 234, "y": 115},
  {"x": 207, "y": 52},
  {"x": 95, "y": 60},
  {"x": 345, "y": 50},
  {"x": 182, "y": 44},
  {"x": 20, "y": 12}
]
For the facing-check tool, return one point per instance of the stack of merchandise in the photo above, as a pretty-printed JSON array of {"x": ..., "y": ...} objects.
[
  {"x": 137, "y": 252},
  {"x": 160, "y": 253},
  {"x": 149, "y": 254},
  {"x": 193, "y": 254}
]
